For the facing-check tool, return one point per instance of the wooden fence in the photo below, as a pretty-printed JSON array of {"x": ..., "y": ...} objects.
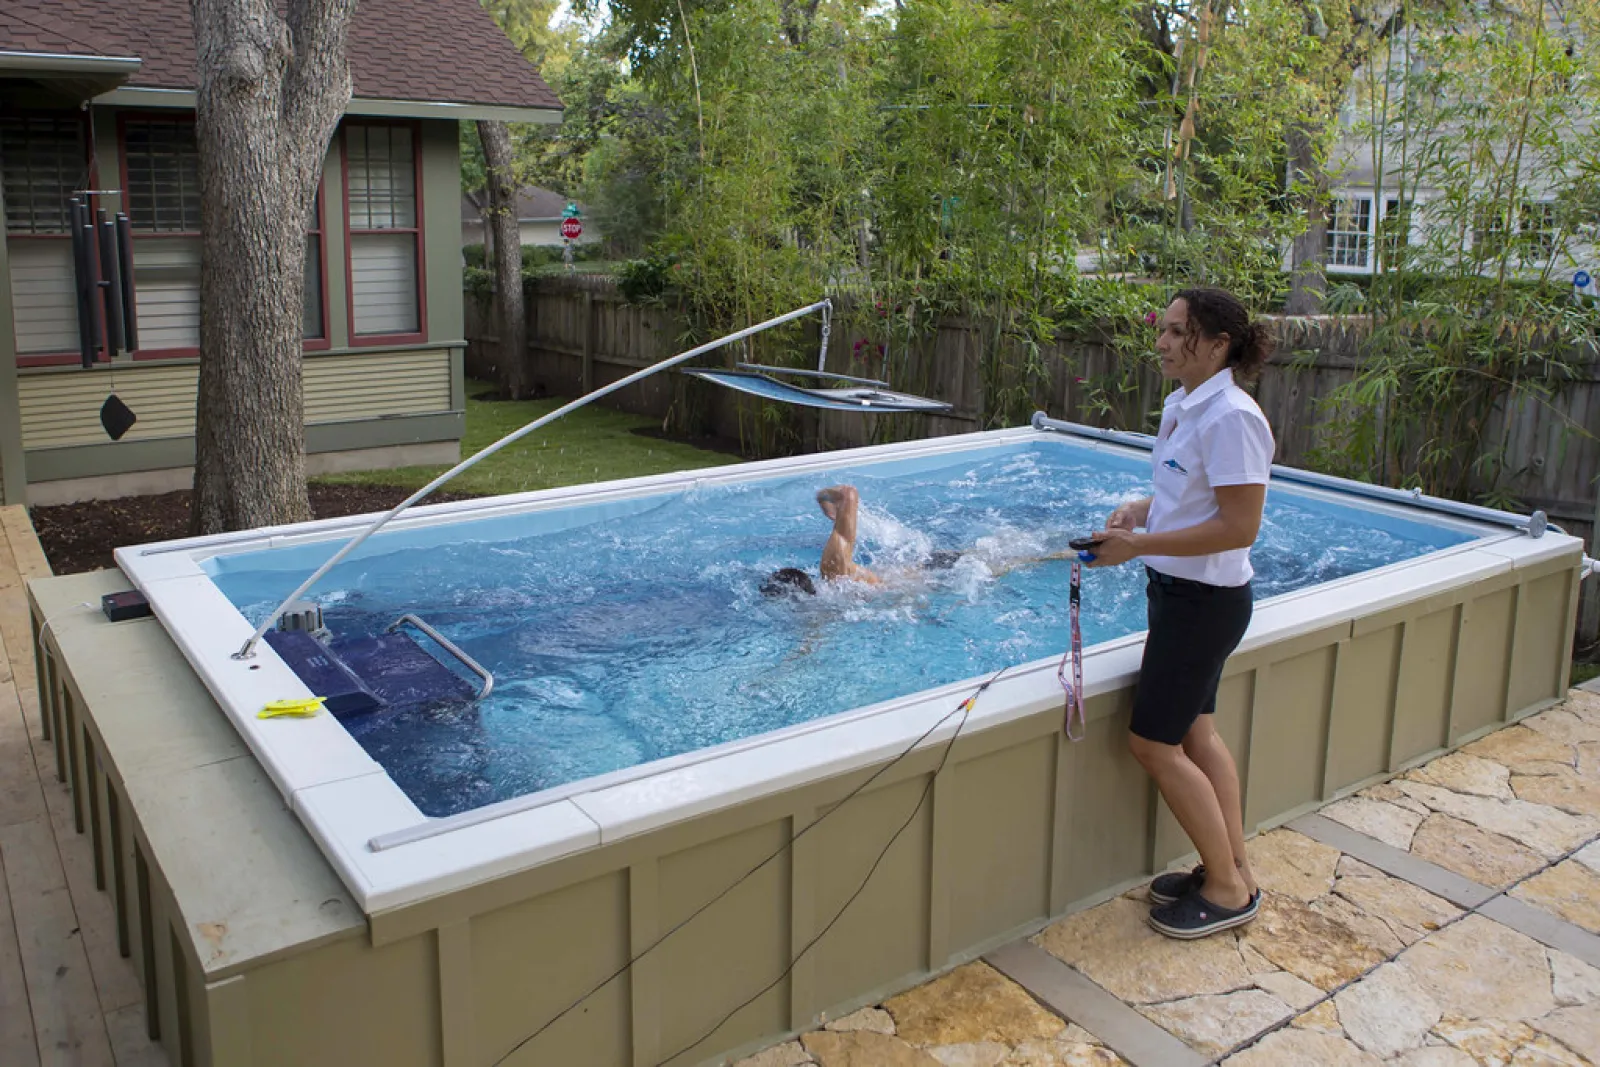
[{"x": 582, "y": 334}]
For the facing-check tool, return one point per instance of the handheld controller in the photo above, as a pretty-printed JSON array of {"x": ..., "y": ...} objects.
[{"x": 1085, "y": 547}]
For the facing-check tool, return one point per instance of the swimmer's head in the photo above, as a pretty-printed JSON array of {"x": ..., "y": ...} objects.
[{"x": 788, "y": 580}]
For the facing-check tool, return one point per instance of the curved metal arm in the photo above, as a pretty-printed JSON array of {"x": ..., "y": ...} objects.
[
  {"x": 248, "y": 648},
  {"x": 449, "y": 646}
]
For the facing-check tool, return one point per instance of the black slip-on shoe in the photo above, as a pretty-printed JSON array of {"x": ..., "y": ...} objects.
[
  {"x": 1175, "y": 885},
  {"x": 1194, "y": 917}
]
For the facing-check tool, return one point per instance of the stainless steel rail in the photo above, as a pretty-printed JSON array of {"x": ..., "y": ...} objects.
[
  {"x": 449, "y": 646},
  {"x": 1533, "y": 525},
  {"x": 247, "y": 650}
]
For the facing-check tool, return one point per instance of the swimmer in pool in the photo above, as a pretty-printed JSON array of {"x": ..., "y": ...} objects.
[{"x": 841, "y": 503}]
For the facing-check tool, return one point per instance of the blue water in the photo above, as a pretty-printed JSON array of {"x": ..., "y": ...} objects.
[{"x": 628, "y": 632}]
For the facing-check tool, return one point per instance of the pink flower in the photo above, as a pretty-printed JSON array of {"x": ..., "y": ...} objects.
[{"x": 1150, "y": 317}]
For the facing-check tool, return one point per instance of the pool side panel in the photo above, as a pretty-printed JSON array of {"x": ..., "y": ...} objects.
[{"x": 258, "y": 955}]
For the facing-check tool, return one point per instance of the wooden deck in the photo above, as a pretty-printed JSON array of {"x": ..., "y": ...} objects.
[{"x": 66, "y": 994}]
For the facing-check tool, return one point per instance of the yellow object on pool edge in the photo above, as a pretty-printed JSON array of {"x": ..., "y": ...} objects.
[{"x": 301, "y": 709}]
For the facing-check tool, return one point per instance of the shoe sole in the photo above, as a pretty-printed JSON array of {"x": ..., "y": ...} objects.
[{"x": 1205, "y": 931}]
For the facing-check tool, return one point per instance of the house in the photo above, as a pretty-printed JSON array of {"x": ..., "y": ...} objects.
[
  {"x": 539, "y": 215},
  {"x": 100, "y": 96},
  {"x": 1377, "y": 204}
]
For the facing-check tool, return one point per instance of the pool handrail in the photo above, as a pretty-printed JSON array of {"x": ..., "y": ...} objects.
[
  {"x": 1533, "y": 525},
  {"x": 247, "y": 650},
  {"x": 449, "y": 646}
]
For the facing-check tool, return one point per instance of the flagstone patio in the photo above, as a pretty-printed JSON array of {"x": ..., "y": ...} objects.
[{"x": 1447, "y": 918}]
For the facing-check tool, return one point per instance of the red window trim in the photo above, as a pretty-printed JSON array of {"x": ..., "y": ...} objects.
[
  {"x": 60, "y": 359},
  {"x": 421, "y": 334},
  {"x": 146, "y": 354},
  {"x": 319, "y": 344}
]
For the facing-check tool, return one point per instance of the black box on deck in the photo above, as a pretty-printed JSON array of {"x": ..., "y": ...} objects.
[{"x": 119, "y": 607}]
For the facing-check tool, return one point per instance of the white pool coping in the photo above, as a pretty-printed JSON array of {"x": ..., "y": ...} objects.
[{"x": 347, "y": 801}]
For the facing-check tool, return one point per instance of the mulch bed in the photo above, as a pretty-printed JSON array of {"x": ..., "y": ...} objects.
[{"x": 81, "y": 537}]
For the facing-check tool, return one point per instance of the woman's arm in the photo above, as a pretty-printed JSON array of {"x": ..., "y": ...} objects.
[{"x": 1237, "y": 522}]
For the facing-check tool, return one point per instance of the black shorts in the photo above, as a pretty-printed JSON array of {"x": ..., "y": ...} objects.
[{"x": 1194, "y": 628}]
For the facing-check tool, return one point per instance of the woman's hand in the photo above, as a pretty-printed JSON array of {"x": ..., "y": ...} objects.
[
  {"x": 1129, "y": 516},
  {"x": 1116, "y": 547}
]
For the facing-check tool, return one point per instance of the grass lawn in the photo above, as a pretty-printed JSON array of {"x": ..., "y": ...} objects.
[{"x": 593, "y": 444}]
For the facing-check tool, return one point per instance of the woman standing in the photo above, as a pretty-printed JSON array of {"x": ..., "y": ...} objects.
[{"x": 1211, "y": 462}]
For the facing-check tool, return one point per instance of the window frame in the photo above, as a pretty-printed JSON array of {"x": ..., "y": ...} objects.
[
  {"x": 92, "y": 166},
  {"x": 418, "y": 229},
  {"x": 1363, "y": 238},
  {"x": 1537, "y": 244},
  {"x": 325, "y": 342},
  {"x": 1396, "y": 235},
  {"x": 123, "y": 118},
  {"x": 145, "y": 354}
]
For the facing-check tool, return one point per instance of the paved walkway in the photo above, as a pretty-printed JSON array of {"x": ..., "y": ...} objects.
[
  {"x": 67, "y": 996},
  {"x": 1448, "y": 918}
]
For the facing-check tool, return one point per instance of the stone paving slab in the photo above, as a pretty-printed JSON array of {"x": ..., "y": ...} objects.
[{"x": 1353, "y": 961}]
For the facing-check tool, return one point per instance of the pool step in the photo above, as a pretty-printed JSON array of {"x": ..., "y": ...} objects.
[{"x": 360, "y": 675}]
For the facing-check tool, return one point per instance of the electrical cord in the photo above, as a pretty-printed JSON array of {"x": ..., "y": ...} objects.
[
  {"x": 964, "y": 709},
  {"x": 927, "y": 789}
]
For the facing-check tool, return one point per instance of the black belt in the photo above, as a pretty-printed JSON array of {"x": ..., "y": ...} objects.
[{"x": 1170, "y": 579}]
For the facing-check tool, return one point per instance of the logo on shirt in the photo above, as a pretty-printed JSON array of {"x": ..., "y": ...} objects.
[{"x": 1173, "y": 464}]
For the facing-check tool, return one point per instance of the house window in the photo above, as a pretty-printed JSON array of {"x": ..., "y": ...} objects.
[
  {"x": 42, "y": 160},
  {"x": 1396, "y": 226},
  {"x": 1350, "y": 232},
  {"x": 163, "y": 185},
  {"x": 1537, "y": 229},
  {"x": 385, "y": 238},
  {"x": 162, "y": 167}
]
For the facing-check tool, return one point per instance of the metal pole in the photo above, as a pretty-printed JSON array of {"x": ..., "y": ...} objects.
[
  {"x": 111, "y": 282},
  {"x": 130, "y": 313},
  {"x": 82, "y": 285},
  {"x": 1533, "y": 525},
  {"x": 248, "y": 648}
]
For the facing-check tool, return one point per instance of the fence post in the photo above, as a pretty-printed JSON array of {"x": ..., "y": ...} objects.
[{"x": 588, "y": 342}]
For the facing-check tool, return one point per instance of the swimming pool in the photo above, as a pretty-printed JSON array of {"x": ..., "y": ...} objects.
[
  {"x": 642, "y": 681},
  {"x": 619, "y": 639}
]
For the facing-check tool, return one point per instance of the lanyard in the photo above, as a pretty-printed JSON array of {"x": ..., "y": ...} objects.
[{"x": 1074, "y": 688}]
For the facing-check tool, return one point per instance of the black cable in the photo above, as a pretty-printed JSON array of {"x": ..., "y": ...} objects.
[{"x": 964, "y": 709}]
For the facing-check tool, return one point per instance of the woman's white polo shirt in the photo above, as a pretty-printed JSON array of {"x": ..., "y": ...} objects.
[{"x": 1213, "y": 436}]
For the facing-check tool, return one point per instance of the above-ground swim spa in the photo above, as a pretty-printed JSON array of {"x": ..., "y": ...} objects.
[{"x": 658, "y": 731}]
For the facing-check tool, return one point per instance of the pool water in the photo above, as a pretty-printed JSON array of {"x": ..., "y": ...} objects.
[{"x": 618, "y": 635}]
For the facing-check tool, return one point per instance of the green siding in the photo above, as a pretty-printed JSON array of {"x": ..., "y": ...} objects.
[
  {"x": 441, "y": 207},
  {"x": 440, "y": 162}
]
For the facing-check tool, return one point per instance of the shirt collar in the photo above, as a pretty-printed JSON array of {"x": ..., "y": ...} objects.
[{"x": 1208, "y": 389}]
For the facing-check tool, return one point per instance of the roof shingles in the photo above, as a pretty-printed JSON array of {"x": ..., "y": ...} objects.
[{"x": 429, "y": 50}]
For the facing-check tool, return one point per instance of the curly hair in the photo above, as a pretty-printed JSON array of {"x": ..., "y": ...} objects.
[{"x": 1215, "y": 312}]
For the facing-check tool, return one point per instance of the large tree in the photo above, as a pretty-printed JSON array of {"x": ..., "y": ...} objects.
[{"x": 271, "y": 90}]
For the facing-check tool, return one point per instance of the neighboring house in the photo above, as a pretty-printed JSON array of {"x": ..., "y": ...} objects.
[
  {"x": 100, "y": 96},
  {"x": 539, "y": 215},
  {"x": 1362, "y": 211}
]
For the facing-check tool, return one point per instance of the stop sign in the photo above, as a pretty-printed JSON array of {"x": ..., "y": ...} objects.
[{"x": 571, "y": 229}]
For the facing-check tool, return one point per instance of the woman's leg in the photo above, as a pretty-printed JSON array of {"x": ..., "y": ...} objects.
[
  {"x": 1205, "y": 748},
  {"x": 1189, "y": 793}
]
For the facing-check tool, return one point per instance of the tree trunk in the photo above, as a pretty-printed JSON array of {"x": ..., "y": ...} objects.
[
  {"x": 500, "y": 179},
  {"x": 270, "y": 95},
  {"x": 1307, "y": 255}
]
